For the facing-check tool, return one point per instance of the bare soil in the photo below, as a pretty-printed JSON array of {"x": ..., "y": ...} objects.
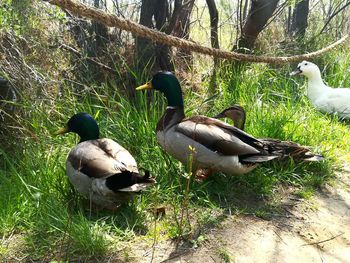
[{"x": 315, "y": 230}]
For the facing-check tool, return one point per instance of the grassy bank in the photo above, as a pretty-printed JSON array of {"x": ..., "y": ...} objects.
[{"x": 44, "y": 218}]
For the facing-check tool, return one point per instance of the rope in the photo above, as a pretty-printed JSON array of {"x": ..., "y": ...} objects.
[{"x": 139, "y": 30}]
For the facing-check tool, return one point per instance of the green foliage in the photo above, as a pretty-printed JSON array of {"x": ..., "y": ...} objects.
[
  {"x": 36, "y": 198},
  {"x": 224, "y": 255},
  {"x": 17, "y": 15},
  {"x": 39, "y": 206}
]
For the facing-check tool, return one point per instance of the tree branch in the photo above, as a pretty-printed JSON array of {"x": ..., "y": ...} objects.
[
  {"x": 333, "y": 15},
  {"x": 76, "y": 52}
]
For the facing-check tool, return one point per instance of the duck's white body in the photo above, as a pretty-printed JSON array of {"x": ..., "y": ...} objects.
[
  {"x": 207, "y": 143},
  {"x": 323, "y": 97},
  {"x": 184, "y": 149},
  {"x": 330, "y": 100}
]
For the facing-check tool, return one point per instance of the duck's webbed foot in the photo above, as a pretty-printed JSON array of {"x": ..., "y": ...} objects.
[{"x": 202, "y": 174}]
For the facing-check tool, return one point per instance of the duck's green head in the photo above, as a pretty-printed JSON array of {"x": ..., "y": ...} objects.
[
  {"x": 82, "y": 124},
  {"x": 167, "y": 83}
]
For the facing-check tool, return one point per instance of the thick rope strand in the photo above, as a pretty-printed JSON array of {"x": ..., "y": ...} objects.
[{"x": 139, "y": 30}]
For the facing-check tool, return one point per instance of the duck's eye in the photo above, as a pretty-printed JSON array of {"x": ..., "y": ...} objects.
[{"x": 305, "y": 64}]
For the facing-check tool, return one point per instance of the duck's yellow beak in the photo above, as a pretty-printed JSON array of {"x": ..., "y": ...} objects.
[
  {"x": 61, "y": 131},
  {"x": 148, "y": 85}
]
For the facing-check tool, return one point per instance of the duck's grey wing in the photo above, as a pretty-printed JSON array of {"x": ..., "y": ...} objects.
[
  {"x": 91, "y": 159},
  {"x": 219, "y": 136}
]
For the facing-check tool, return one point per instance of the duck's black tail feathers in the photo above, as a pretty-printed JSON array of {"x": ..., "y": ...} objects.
[
  {"x": 146, "y": 178},
  {"x": 282, "y": 150},
  {"x": 271, "y": 148},
  {"x": 128, "y": 181}
]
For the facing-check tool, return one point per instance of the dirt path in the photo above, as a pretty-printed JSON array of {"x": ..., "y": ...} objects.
[{"x": 317, "y": 230}]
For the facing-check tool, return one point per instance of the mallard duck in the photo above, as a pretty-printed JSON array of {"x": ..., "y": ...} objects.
[
  {"x": 213, "y": 144},
  {"x": 236, "y": 113},
  {"x": 323, "y": 97},
  {"x": 286, "y": 149},
  {"x": 101, "y": 169}
]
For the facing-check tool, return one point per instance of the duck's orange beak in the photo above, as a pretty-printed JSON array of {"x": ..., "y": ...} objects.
[
  {"x": 61, "y": 131},
  {"x": 148, "y": 85}
]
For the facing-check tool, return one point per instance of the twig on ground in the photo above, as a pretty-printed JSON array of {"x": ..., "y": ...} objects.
[
  {"x": 278, "y": 235},
  {"x": 177, "y": 255},
  {"x": 323, "y": 241}
]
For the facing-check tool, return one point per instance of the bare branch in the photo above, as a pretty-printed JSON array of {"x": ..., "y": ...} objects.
[
  {"x": 76, "y": 52},
  {"x": 333, "y": 15}
]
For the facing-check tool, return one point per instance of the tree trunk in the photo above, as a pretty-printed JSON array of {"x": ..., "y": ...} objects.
[
  {"x": 162, "y": 52},
  {"x": 214, "y": 39},
  {"x": 101, "y": 33},
  {"x": 299, "y": 19},
  {"x": 259, "y": 13},
  {"x": 144, "y": 47},
  {"x": 245, "y": 9},
  {"x": 147, "y": 53},
  {"x": 214, "y": 20},
  {"x": 182, "y": 29}
]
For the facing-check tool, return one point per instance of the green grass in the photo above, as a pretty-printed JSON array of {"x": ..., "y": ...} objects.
[
  {"x": 42, "y": 218},
  {"x": 224, "y": 255},
  {"x": 38, "y": 203}
]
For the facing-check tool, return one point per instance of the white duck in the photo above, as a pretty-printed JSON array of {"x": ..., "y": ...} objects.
[{"x": 323, "y": 97}]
